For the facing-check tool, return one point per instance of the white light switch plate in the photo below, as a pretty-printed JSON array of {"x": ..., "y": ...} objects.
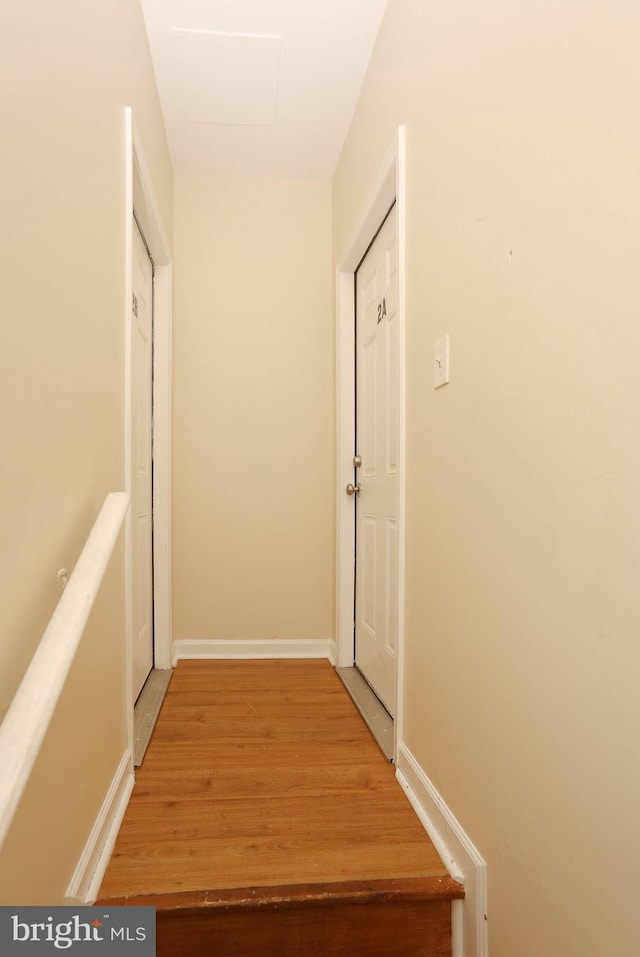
[{"x": 441, "y": 362}]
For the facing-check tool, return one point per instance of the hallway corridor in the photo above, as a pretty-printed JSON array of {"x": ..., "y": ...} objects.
[{"x": 262, "y": 789}]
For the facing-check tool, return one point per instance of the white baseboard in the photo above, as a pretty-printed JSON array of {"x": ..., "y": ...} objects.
[
  {"x": 253, "y": 648},
  {"x": 464, "y": 862},
  {"x": 86, "y": 881}
]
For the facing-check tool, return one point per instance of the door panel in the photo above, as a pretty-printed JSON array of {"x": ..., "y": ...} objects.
[
  {"x": 367, "y": 574},
  {"x": 368, "y": 409},
  {"x": 377, "y": 416},
  {"x": 141, "y": 487}
]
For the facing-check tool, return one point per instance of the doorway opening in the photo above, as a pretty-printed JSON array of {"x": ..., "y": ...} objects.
[
  {"x": 142, "y": 212},
  {"x": 388, "y": 191},
  {"x": 141, "y": 506},
  {"x": 376, "y": 466}
]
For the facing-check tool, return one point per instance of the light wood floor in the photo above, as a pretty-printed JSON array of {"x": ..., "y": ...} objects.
[{"x": 260, "y": 776}]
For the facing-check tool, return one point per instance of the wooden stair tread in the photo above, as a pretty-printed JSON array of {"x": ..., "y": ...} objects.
[
  {"x": 262, "y": 791},
  {"x": 346, "y": 892}
]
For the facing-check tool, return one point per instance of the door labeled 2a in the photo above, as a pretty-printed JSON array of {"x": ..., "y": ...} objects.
[
  {"x": 376, "y": 464},
  {"x": 141, "y": 327}
]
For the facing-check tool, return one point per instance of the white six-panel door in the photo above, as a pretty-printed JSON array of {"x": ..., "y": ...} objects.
[
  {"x": 377, "y": 441},
  {"x": 141, "y": 486}
]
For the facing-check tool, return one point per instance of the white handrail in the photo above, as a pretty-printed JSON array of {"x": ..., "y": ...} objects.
[{"x": 26, "y": 722}]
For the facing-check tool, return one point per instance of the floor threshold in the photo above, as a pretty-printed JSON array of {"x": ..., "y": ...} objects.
[
  {"x": 146, "y": 711},
  {"x": 375, "y": 715}
]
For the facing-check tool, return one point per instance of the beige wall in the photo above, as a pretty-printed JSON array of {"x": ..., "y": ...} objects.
[
  {"x": 253, "y": 388},
  {"x": 66, "y": 73},
  {"x": 523, "y": 478}
]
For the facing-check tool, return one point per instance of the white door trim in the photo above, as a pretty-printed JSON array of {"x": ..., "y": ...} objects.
[
  {"x": 389, "y": 185},
  {"x": 139, "y": 191}
]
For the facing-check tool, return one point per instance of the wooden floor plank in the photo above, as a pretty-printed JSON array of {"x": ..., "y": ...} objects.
[{"x": 263, "y": 775}]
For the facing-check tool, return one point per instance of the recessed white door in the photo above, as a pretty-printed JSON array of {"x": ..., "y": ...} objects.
[
  {"x": 376, "y": 477},
  {"x": 141, "y": 448}
]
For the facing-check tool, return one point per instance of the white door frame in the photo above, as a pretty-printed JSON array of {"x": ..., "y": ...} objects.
[
  {"x": 139, "y": 192},
  {"x": 389, "y": 185}
]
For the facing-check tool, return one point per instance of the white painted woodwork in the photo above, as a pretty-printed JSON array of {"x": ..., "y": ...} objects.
[
  {"x": 86, "y": 880},
  {"x": 141, "y": 488},
  {"x": 25, "y": 724},
  {"x": 388, "y": 184},
  {"x": 469, "y": 917},
  {"x": 377, "y": 439},
  {"x": 252, "y": 648},
  {"x": 141, "y": 197}
]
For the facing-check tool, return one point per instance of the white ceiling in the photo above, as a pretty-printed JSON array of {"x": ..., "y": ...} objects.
[{"x": 260, "y": 87}]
